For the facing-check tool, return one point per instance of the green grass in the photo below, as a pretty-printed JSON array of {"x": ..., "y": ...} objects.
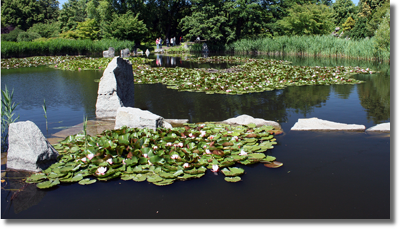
[{"x": 327, "y": 45}]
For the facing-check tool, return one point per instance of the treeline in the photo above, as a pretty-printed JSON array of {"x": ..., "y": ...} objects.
[{"x": 219, "y": 22}]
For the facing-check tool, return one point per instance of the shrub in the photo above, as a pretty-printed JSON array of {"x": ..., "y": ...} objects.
[
  {"x": 27, "y": 36},
  {"x": 12, "y": 36}
]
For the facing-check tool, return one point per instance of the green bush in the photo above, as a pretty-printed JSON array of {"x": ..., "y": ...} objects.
[
  {"x": 27, "y": 36},
  {"x": 45, "y": 29},
  {"x": 12, "y": 36}
]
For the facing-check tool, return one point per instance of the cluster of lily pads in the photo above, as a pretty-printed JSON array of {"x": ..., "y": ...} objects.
[
  {"x": 161, "y": 156},
  {"x": 90, "y": 63},
  {"x": 36, "y": 61},
  {"x": 255, "y": 75}
]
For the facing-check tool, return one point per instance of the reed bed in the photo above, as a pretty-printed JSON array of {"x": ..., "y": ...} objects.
[
  {"x": 59, "y": 46},
  {"x": 327, "y": 45}
]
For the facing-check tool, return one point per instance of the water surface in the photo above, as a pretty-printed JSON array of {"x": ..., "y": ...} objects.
[{"x": 325, "y": 174}]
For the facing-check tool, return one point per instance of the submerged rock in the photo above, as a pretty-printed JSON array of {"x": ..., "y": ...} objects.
[
  {"x": 116, "y": 88},
  {"x": 247, "y": 119},
  {"x": 28, "y": 148},
  {"x": 383, "y": 127},
  {"x": 319, "y": 124},
  {"x": 137, "y": 118}
]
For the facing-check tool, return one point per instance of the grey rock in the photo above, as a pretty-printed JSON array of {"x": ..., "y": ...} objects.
[
  {"x": 116, "y": 88},
  {"x": 319, "y": 124},
  {"x": 137, "y": 118},
  {"x": 177, "y": 121},
  {"x": 125, "y": 53},
  {"x": 383, "y": 127},
  {"x": 28, "y": 148},
  {"x": 247, "y": 119},
  {"x": 109, "y": 53}
]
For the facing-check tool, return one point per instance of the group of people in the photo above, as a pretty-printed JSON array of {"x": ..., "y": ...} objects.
[{"x": 168, "y": 42}]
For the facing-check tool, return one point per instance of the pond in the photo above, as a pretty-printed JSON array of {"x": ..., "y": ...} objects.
[{"x": 326, "y": 175}]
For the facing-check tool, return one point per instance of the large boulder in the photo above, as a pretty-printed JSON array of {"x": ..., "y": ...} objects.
[
  {"x": 319, "y": 124},
  {"x": 137, "y": 118},
  {"x": 28, "y": 148},
  {"x": 247, "y": 119},
  {"x": 116, "y": 88}
]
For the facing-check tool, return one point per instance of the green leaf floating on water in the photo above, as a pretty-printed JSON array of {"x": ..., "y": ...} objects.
[
  {"x": 233, "y": 171},
  {"x": 233, "y": 179},
  {"x": 87, "y": 181},
  {"x": 48, "y": 184}
]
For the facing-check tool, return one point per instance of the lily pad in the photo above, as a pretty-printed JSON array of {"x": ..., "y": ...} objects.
[
  {"x": 48, "y": 184},
  {"x": 232, "y": 171},
  {"x": 275, "y": 164},
  {"x": 233, "y": 179},
  {"x": 87, "y": 181}
]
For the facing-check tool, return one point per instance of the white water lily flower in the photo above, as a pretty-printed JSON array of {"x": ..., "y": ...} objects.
[
  {"x": 208, "y": 151},
  {"x": 186, "y": 165},
  {"x": 175, "y": 156},
  {"x": 101, "y": 170},
  {"x": 242, "y": 153},
  {"x": 90, "y": 156},
  {"x": 215, "y": 168},
  {"x": 83, "y": 159},
  {"x": 155, "y": 147},
  {"x": 109, "y": 161}
]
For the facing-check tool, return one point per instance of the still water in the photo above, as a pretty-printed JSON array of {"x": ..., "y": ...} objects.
[{"x": 326, "y": 175}]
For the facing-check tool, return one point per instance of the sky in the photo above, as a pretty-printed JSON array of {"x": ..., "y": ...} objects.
[{"x": 64, "y": 1}]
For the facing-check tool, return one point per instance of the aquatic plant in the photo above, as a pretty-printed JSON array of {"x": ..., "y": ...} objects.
[
  {"x": 255, "y": 75},
  {"x": 45, "y": 111},
  {"x": 36, "y": 61},
  {"x": 160, "y": 156},
  {"x": 7, "y": 115}
]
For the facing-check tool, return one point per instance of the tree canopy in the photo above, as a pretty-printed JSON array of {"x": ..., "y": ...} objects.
[{"x": 219, "y": 22}]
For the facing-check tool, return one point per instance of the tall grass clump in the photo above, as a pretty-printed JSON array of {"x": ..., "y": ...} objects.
[
  {"x": 7, "y": 116},
  {"x": 325, "y": 45},
  {"x": 61, "y": 46}
]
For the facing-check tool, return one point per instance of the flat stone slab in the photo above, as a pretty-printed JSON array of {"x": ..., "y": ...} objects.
[
  {"x": 137, "y": 118},
  {"x": 383, "y": 127},
  {"x": 247, "y": 119},
  {"x": 319, "y": 124}
]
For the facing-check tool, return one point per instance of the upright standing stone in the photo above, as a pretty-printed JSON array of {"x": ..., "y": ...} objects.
[
  {"x": 28, "y": 148},
  {"x": 109, "y": 53},
  {"x": 125, "y": 53},
  {"x": 116, "y": 88}
]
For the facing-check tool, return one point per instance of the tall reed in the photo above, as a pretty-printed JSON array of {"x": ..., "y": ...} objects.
[
  {"x": 62, "y": 46},
  {"x": 311, "y": 46},
  {"x": 7, "y": 116}
]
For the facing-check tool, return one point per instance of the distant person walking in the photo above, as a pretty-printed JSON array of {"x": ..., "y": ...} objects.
[
  {"x": 172, "y": 41},
  {"x": 160, "y": 40},
  {"x": 158, "y": 43},
  {"x": 167, "y": 41}
]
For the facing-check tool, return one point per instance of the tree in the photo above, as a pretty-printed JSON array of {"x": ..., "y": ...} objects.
[
  {"x": 349, "y": 24},
  {"x": 127, "y": 27},
  {"x": 209, "y": 21},
  {"x": 88, "y": 29},
  {"x": 309, "y": 19},
  {"x": 382, "y": 35},
  {"x": 72, "y": 12},
  {"x": 25, "y": 13},
  {"x": 343, "y": 9}
]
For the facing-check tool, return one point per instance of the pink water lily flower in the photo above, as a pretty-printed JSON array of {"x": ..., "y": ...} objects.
[
  {"x": 83, "y": 159},
  {"x": 208, "y": 151},
  {"x": 169, "y": 144},
  {"x": 109, "y": 161},
  {"x": 202, "y": 133},
  {"x": 242, "y": 153},
  {"x": 101, "y": 170},
  {"x": 215, "y": 168},
  {"x": 186, "y": 165},
  {"x": 175, "y": 156},
  {"x": 155, "y": 147},
  {"x": 90, "y": 156},
  {"x": 145, "y": 155}
]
